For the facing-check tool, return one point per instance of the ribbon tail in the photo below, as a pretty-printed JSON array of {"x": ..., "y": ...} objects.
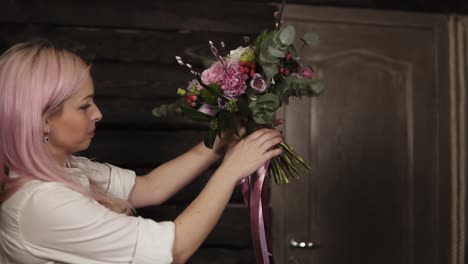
[
  {"x": 245, "y": 188},
  {"x": 259, "y": 215},
  {"x": 267, "y": 220}
]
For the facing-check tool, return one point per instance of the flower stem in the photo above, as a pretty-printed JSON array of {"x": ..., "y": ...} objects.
[{"x": 287, "y": 165}]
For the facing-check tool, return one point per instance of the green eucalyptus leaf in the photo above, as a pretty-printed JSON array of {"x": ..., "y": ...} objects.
[
  {"x": 160, "y": 111},
  {"x": 286, "y": 35},
  {"x": 265, "y": 57},
  {"x": 265, "y": 35},
  {"x": 273, "y": 52},
  {"x": 310, "y": 38},
  {"x": 268, "y": 101},
  {"x": 174, "y": 109},
  {"x": 166, "y": 110},
  {"x": 263, "y": 118},
  {"x": 270, "y": 71},
  {"x": 279, "y": 89},
  {"x": 276, "y": 43},
  {"x": 304, "y": 86},
  {"x": 298, "y": 87},
  {"x": 263, "y": 109}
]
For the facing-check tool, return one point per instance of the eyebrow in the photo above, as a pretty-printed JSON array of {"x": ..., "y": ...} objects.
[{"x": 87, "y": 97}]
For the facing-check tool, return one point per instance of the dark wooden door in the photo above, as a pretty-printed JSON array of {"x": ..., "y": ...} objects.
[{"x": 377, "y": 140}]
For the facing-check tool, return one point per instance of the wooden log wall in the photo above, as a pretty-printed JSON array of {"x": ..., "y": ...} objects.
[{"x": 131, "y": 45}]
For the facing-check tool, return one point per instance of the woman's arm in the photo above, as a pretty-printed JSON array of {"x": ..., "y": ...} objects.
[
  {"x": 194, "y": 224},
  {"x": 164, "y": 181}
]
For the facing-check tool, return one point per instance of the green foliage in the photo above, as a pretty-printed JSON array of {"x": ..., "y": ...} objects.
[
  {"x": 214, "y": 89},
  {"x": 263, "y": 109},
  {"x": 293, "y": 86},
  {"x": 194, "y": 114},
  {"x": 167, "y": 110},
  {"x": 210, "y": 137},
  {"x": 253, "y": 109},
  {"x": 310, "y": 38},
  {"x": 272, "y": 48},
  {"x": 260, "y": 38},
  {"x": 243, "y": 105},
  {"x": 227, "y": 121},
  {"x": 208, "y": 97}
]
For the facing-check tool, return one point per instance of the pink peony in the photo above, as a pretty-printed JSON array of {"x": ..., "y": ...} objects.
[
  {"x": 214, "y": 74},
  {"x": 228, "y": 76}
]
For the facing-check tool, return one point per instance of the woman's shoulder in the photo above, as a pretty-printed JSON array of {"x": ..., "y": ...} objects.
[
  {"x": 38, "y": 198},
  {"x": 37, "y": 192},
  {"x": 33, "y": 205},
  {"x": 41, "y": 205}
]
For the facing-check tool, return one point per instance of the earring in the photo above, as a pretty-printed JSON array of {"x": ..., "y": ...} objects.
[{"x": 46, "y": 136}]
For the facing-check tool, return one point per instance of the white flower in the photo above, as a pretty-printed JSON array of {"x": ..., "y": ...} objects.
[{"x": 235, "y": 55}]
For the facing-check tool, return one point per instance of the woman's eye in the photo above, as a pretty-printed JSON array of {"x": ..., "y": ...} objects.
[{"x": 86, "y": 106}]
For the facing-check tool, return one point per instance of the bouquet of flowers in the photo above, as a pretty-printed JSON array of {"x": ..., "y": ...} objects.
[{"x": 248, "y": 85}]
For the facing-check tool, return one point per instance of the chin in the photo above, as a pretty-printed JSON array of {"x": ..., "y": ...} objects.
[{"x": 84, "y": 146}]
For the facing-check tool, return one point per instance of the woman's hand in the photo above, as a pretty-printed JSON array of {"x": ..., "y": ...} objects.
[
  {"x": 247, "y": 155},
  {"x": 222, "y": 143},
  {"x": 243, "y": 157}
]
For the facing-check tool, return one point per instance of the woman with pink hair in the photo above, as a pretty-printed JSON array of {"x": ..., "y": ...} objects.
[{"x": 60, "y": 208}]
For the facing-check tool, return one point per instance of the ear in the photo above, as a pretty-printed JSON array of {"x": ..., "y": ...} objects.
[{"x": 46, "y": 123}]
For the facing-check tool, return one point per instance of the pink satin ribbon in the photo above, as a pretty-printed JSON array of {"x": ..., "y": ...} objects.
[{"x": 255, "y": 193}]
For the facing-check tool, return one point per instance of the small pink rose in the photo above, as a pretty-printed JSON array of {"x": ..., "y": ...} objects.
[{"x": 308, "y": 73}]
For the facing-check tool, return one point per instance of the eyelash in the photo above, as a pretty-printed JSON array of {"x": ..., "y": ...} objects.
[{"x": 86, "y": 106}]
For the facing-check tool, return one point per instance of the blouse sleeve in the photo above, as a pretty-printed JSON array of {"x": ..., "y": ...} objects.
[
  {"x": 61, "y": 224},
  {"x": 117, "y": 182}
]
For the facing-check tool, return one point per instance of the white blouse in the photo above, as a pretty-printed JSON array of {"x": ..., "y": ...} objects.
[{"x": 47, "y": 223}]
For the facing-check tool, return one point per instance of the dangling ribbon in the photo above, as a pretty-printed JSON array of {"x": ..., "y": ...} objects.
[{"x": 255, "y": 193}]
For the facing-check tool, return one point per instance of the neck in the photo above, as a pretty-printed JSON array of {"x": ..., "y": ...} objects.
[{"x": 59, "y": 156}]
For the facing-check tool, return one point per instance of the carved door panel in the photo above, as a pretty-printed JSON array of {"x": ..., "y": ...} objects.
[{"x": 377, "y": 141}]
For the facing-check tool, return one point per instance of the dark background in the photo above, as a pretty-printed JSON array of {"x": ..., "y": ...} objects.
[{"x": 450, "y": 6}]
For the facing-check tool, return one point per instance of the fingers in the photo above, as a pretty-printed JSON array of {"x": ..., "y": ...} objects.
[
  {"x": 268, "y": 136},
  {"x": 255, "y": 135},
  {"x": 271, "y": 142},
  {"x": 272, "y": 153}
]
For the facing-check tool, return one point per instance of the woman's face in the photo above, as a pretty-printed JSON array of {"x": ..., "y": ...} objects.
[{"x": 72, "y": 130}]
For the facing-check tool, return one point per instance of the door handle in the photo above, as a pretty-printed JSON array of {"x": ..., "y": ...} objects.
[{"x": 305, "y": 245}]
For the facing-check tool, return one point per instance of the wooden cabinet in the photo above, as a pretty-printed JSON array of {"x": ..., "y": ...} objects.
[{"x": 378, "y": 141}]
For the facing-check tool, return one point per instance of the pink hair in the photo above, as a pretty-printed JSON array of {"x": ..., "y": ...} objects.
[{"x": 35, "y": 80}]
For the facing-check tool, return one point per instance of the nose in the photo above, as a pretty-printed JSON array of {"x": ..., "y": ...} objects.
[{"x": 97, "y": 115}]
